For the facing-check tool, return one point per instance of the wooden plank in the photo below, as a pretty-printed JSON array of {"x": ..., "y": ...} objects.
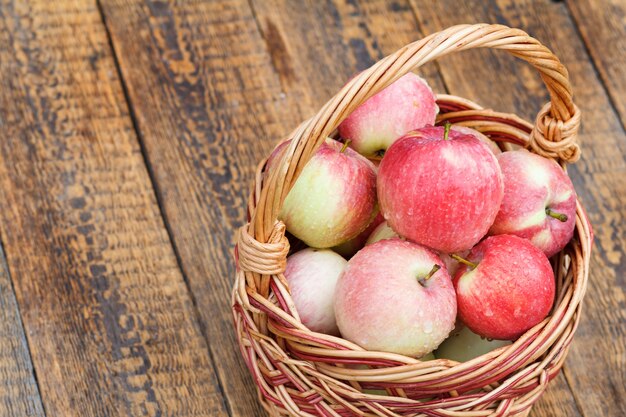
[
  {"x": 19, "y": 394},
  {"x": 208, "y": 106},
  {"x": 108, "y": 317},
  {"x": 595, "y": 368},
  {"x": 333, "y": 40},
  {"x": 602, "y": 25}
]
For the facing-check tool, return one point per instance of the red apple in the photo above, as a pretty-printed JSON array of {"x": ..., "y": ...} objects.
[
  {"x": 395, "y": 296},
  {"x": 440, "y": 190},
  {"x": 349, "y": 248},
  {"x": 312, "y": 275},
  {"x": 539, "y": 201},
  {"x": 506, "y": 287},
  {"x": 407, "y": 104},
  {"x": 333, "y": 199}
]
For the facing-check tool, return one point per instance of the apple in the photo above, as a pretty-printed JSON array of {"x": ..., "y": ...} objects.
[
  {"x": 539, "y": 201},
  {"x": 382, "y": 231},
  {"x": 504, "y": 287},
  {"x": 440, "y": 188},
  {"x": 395, "y": 296},
  {"x": 469, "y": 131},
  {"x": 407, "y": 104},
  {"x": 312, "y": 275},
  {"x": 349, "y": 248},
  {"x": 334, "y": 198},
  {"x": 463, "y": 345}
]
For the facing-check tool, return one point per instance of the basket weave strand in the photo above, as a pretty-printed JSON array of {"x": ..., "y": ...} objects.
[{"x": 302, "y": 373}]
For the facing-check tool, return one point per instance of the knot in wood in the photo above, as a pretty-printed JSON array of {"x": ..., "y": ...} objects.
[
  {"x": 554, "y": 138},
  {"x": 263, "y": 258}
]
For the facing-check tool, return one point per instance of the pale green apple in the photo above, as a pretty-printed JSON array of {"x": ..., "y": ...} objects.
[
  {"x": 333, "y": 199},
  {"x": 463, "y": 345}
]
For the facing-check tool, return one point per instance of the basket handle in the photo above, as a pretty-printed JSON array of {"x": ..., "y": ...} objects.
[{"x": 553, "y": 136}]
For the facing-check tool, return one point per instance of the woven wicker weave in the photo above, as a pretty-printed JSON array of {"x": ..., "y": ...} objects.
[{"x": 303, "y": 373}]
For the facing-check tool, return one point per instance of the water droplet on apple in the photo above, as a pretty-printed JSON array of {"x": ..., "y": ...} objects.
[
  {"x": 428, "y": 327},
  {"x": 489, "y": 313}
]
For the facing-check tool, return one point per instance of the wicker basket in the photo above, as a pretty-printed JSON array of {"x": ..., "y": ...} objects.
[{"x": 302, "y": 373}]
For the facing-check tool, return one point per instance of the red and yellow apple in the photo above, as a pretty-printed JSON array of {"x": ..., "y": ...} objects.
[
  {"x": 440, "y": 189},
  {"x": 504, "y": 287},
  {"x": 395, "y": 296},
  {"x": 407, "y": 104},
  {"x": 539, "y": 201},
  {"x": 333, "y": 199}
]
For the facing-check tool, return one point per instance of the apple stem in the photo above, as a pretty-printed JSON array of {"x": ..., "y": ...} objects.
[
  {"x": 446, "y": 130},
  {"x": 428, "y": 276},
  {"x": 345, "y": 146},
  {"x": 463, "y": 261},
  {"x": 559, "y": 216}
]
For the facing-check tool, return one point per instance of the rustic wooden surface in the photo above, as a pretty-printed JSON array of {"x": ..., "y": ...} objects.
[
  {"x": 108, "y": 317},
  {"x": 129, "y": 131}
]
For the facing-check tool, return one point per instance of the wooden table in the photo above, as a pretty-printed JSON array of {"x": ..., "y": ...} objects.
[{"x": 129, "y": 131}]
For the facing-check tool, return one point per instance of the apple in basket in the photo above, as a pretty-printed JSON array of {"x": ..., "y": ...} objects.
[
  {"x": 395, "y": 296},
  {"x": 405, "y": 105},
  {"x": 464, "y": 345},
  {"x": 504, "y": 287},
  {"x": 333, "y": 199},
  {"x": 312, "y": 276},
  {"x": 440, "y": 188},
  {"x": 539, "y": 201}
]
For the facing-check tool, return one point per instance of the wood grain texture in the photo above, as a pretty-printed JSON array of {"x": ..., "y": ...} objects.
[
  {"x": 334, "y": 40},
  {"x": 596, "y": 365},
  {"x": 19, "y": 394},
  {"x": 107, "y": 314},
  {"x": 602, "y": 25},
  {"x": 208, "y": 106}
]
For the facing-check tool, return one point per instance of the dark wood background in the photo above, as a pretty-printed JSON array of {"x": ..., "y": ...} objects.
[{"x": 128, "y": 135}]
